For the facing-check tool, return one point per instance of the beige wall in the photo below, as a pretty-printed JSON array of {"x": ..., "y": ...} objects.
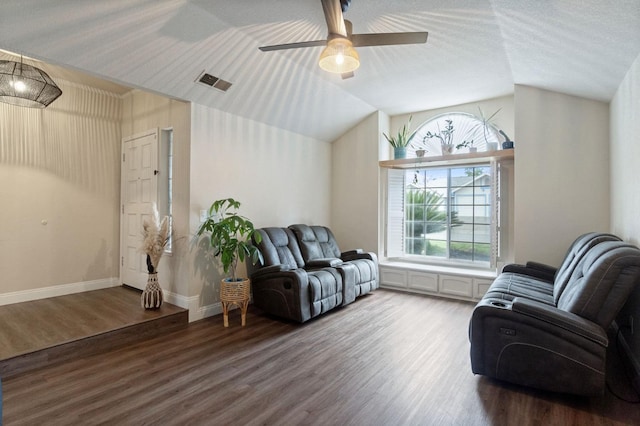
[
  {"x": 561, "y": 172},
  {"x": 354, "y": 186},
  {"x": 144, "y": 111},
  {"x": 60, "y": 186},
  {"x": 280, "y": 178}
]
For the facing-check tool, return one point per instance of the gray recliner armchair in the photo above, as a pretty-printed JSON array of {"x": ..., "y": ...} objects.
[{"x": 554, "y": 339}]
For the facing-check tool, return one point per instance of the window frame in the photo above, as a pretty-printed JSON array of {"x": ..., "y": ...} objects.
[{"x": 396, "y": 223}]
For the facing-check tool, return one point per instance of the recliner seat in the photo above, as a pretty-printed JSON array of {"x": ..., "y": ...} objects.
[{"x": 558, "y": 344}]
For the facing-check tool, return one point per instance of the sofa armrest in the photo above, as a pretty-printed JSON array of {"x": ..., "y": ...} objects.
[
  {"x": 559, "y": 318},
  {"x": 267, "y": 270},
  {"x": 533, "y": 269},
  {"x": 283, "y": 292},
  {"x": 358, "y": 254},
  {"x": 323, "y": 263}
]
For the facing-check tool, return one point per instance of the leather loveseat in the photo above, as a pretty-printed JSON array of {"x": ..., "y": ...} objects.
[
  {"x": 546, "y": 328},
  {"x": 305, "y": 274}
]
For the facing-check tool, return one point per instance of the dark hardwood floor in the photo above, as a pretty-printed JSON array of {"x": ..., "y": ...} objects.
[{"x": 387, "y": 359}]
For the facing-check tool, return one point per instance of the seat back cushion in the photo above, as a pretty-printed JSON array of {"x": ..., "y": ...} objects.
[
  {"x": 575, "y": 254},
  {"x": 280, "y": 247},
  {"x": 602, "y": 282},
  {"x": 316, "y": 242}
]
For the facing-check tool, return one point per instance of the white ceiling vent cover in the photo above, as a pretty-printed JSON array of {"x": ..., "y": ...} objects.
[{"x": 209, "y": 80}]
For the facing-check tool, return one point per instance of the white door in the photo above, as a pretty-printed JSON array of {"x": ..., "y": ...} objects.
[{"x": 139, "y": 189}]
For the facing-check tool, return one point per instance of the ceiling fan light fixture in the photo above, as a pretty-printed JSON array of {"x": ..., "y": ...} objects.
[{"x": 339, "y": 56}]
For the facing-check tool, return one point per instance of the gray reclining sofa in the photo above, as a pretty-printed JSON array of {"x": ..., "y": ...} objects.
[
  {"x": 305, "y": 274},
  {"x": 546, "y": 328}
]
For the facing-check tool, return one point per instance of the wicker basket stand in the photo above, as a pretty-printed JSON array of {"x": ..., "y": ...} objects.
[{"x": 235, "y": 293}]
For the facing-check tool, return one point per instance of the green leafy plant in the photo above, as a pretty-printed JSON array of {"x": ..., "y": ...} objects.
[
  {"x": 401, "y": 140},
  {"x": 445, "y": 135},
  {"x": 465, "y": 144},
  {"x": 230, "y": 235}
]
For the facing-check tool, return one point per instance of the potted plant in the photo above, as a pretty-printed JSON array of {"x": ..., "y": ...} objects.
[
  {"x": 445, "y": 136},
  {"x": 230, "y": 237},
  {"x": 467, "y": 144},
  {"x": 400, "y": 141}
]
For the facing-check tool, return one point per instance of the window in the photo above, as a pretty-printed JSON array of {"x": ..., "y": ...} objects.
[
  {"x": 448, "y": 213},
  {"x": 165, "y": 182},
  {"x": 464, "y": 131}
]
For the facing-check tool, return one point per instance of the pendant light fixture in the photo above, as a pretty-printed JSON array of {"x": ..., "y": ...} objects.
[
  {"x": 25, "y": 85},
  {"x": 339, "y": 56}
]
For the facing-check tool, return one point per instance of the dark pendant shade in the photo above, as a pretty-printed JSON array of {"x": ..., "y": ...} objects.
[{"x": 25, "y": 85}]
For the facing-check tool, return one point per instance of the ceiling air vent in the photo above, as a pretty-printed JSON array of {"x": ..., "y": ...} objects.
[{"x": 213, "y": 81}]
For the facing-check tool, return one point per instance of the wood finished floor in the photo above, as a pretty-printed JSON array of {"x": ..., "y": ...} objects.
[{"x": 387, "y": 359}]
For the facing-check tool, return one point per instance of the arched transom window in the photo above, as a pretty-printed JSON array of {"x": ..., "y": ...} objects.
[{"x": 455, "y": 132}]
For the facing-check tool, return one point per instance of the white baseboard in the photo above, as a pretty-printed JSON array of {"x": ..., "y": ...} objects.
[
  {"x": 196, "y": 312},
  {"x": 192, "y": 304},
  {"x": 57, "y": 290}
]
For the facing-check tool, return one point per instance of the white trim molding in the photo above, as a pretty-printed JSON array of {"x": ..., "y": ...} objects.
[{"x": 57, "y": 290}]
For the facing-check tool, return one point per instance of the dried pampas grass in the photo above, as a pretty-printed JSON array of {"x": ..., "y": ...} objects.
[{"x": 155, "y": 234}]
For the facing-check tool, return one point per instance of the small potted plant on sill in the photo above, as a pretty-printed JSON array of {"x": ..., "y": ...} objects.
[
  {"x": 467, "y": 144},
  {"x": 445, "y": 136},
  {"x": 230, "y": 238},
  {"x": 400, "y": 141}
]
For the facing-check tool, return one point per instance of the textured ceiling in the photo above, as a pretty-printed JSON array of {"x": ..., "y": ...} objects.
[{"x": 476, "y": 49}]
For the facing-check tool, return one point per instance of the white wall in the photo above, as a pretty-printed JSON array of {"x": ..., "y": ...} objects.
[
  {"x": 561, "y": 172},
  {"x": 59, "y": 191},
  {"x": 625, "y": 157},
  {"x": 625, "y": 194},
  {"x": 281, "y": 178}
]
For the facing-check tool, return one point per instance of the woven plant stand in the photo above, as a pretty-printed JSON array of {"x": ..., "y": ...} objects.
[
  {"x": 235, "y": 293},
  {"x": 151, "y": 297}
]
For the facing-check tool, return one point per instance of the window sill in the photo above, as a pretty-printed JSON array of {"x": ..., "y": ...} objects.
[
  {"x": 439, "y": 269},
  {"x": 448, "y": 160}
]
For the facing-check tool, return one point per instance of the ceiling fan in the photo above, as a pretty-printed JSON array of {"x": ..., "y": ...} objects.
[{"x": 339, "y": 55}]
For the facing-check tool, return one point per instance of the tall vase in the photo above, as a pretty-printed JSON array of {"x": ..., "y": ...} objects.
[{"x": 152, "y": 295}]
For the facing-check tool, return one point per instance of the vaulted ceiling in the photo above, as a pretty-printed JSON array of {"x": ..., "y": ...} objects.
[{"x": 477, "y": 49}]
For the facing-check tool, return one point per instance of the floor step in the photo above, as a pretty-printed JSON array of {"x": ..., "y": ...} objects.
[{"x": 45, "y": 332}]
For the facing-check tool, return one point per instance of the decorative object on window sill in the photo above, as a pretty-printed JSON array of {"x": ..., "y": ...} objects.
[
  {"x": 420, "y": 152},
  {"x": 399, "y": 152},
  {"x": 155, "y": 234},
  {"x": 445, "y": 136},
  {"x": 230, "y": 239},
  {"x": 26, "y": 86},
  {"x": 467, "y": 144},
  {"x": 508, "y": 143},
  {"x": 400, "y": 141}
]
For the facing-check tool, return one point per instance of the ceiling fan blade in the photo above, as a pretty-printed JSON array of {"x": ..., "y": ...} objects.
[
  {"x": 333, "y": 15},
  {"x": 298, "y": 45},
  {"x": 346, "y": 75},
  {"x": 388, "y": 39}
]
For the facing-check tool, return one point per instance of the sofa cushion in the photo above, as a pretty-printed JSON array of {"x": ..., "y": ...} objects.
[
  {"x": 316, "y": 242},
  {"x": 602, "y": 282},
  {"x": 279, "y": 247}
]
